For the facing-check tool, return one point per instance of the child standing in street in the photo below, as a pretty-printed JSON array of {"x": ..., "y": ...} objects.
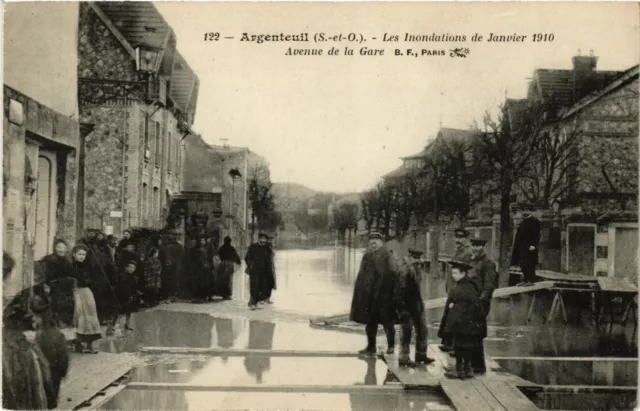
[
  {"x": 127, "y": 291},
  {"x": 152, "y": 277},
  {"x": 465, "y": 319}
]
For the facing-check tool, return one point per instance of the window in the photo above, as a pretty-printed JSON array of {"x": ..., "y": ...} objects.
[
  {"x": 145, "y": 201},
  {"x": 158, "y": 145},
  {"x": 156, "y": 204},
  {"x": 169, "y": 149}
]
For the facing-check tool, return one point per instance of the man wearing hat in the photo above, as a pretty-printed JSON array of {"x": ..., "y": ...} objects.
[
  {"x": 486, "y": 276},
  {"x": 259, "y": 261},
  {"x": 408, "y": 303},
  {"x": 373, "y": 293},
  {"x": 461, "y": 253},
  {"x": 525, "y": 247}
]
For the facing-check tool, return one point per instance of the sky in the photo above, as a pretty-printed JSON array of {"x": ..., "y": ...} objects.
[{"x": 339, "y": 123}]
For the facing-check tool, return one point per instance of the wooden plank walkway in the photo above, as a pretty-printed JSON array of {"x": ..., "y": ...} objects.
[
  {"x": 345, "y": 389},
  {"x": 419, "y": 377},
  {"x": 241, "y": 352},
  {"x": 440, "y": 302},
  {"x": 494, "y": 391},
  {"x": 83, "y": 382}
]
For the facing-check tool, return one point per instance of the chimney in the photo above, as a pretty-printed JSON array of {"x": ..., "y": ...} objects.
[{"x": 584, "y": 69}]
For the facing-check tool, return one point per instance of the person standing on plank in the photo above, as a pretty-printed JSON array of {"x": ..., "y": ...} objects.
[
  {"x": 461, "y": 253},
  {"x": 525, "y": 248},
  {"x": 407, "y": 300},
  {"x": 373, "y": 293},
  {"x": 486, "y": 276}
]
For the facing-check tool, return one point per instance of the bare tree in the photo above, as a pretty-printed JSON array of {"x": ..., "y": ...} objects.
[
  {"x": 508, "y": 144},
  {"x": 260, "y": 195},
  {"x": 345, "y": 218},
  {"x": 550, "y": 173}
]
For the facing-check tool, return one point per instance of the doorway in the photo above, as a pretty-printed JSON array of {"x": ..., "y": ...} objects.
[
  {"x": 45, "y": 204},
  {"x": 581, "y": 255}
]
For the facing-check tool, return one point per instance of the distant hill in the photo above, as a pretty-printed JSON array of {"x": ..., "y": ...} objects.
[{"x": 289, "y": 195}]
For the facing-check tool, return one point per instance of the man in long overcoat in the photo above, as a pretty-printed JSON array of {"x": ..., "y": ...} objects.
[
  {"x": 485, "y": 275},
  {"x": 373, "y": 294},
  {"x": 525, "y": 247},
  {"x": 462, "y": 253},
  {"x": 259, "y": 261}
]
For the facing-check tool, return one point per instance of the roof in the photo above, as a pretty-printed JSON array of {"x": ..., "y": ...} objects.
[
  {"x": 456, "y": 134},
  {"x": 138, "y": 22},
  {"x": 397, "y": 173},
  {"x": 622, "y": 79},
  {"x": 556, "y": 87},
  {"x": 184, "y": 84}
]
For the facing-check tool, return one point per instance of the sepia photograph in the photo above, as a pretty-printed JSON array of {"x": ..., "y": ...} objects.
[{"x": 345, "y": 206}]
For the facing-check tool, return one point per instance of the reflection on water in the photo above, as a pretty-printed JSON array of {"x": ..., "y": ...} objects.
[
  {"x": 600, "y": 373},
  {"x": 260, "y": 338}
]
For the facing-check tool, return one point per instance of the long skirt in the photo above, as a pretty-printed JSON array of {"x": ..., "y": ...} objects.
[
  {"x": 85, "y": 315},
  {"x": 224, "y": 278}
]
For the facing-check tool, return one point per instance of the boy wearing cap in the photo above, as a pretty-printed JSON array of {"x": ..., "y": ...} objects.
[
  {"x": 465, "y": 319},
  {"x": 486, "y": 276},
  {"x": 462, "y": 253},
  {"x": 259, "y": 261},
  {"x": 407, "y": 301}
]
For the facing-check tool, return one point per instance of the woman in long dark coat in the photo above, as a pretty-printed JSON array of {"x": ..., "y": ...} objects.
[
  {"x": 171, "y": 263},
  {"x": 201, "y": 274},
  {"x": 224, "y": 275},
  {"x": 59, "y": 276},
  {"x": 85, "y": 316}
]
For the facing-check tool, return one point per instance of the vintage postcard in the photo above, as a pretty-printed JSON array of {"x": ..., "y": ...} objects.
[{"x": 320, "y": 205}]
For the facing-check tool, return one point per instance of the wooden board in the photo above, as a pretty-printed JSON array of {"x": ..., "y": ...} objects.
[
  {"x": 414, "y": 377},
  {"x": 618, "y": 285},
  {"x": 91, "y": 373},
  {"x": 346, "y": 389},
  {"x": 240, "y": 352},
  {"x": 465, "y": 396},
  {"x": 440, "y": 302},
  {"x": 510, "y": 397}
]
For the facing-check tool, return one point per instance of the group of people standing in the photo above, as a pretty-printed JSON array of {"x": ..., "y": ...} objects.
[
  {"x": 388, "y": 291},
  {"x": 209, "y": 270},
  {"x": 102, "y": 280},
  {"x": 470, "y": 283}
]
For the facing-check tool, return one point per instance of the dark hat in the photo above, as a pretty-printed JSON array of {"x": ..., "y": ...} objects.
[
  {"x": 263, "y": 235},
  {"x": 375, "y": 236},
  {"x": 462, "y": 266},
  {"x": 461, "y": 233},
  {"x": 415, "y": 253},
  {"x": 478, "y": 241}
]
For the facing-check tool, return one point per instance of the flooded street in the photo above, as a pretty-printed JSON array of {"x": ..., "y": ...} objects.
[{"x": 315, "y": 283}]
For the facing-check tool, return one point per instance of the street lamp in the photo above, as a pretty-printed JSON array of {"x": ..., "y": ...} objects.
[{"x": 147, "y": 58}]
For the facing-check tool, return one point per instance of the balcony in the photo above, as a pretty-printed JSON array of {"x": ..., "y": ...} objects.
[
  {"x": 157, "y": 90},
  {"x": 109, "y": 92}
]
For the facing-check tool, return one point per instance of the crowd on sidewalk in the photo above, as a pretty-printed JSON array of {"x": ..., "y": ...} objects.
[{"x": 98, "y": 284}]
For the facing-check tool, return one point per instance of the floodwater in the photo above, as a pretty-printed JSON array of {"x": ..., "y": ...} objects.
[{"x": 318, "y": 283}]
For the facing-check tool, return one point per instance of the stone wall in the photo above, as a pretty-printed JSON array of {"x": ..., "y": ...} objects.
[
  {"x": 609, "y": 149},
  {"x": 46, "y": 129},
  {"x": 104, "y": 162},
  {"x": 100, "y": 55}
]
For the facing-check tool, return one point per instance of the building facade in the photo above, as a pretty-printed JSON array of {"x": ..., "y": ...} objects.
[
  {"x": 137, "y": 99},
  {"x": 40, "y": 133}
]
